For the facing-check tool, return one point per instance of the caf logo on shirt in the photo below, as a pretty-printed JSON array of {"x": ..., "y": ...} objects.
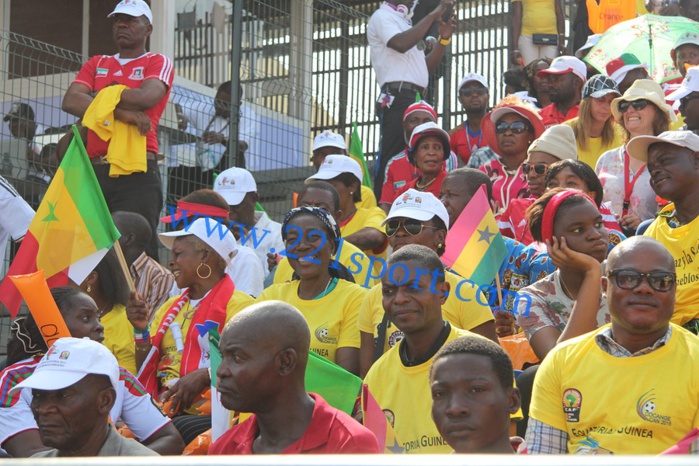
[
  {"x": 648, "y": 411},
  {"x": 572, "y": 401},
  {"x": 390, "y": 417},
  {"x": 137, "y": 73},
  {"x": 323, "y": 334}
]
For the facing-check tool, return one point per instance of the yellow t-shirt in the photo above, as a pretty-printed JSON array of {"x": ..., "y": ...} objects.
[
  {"x": 368, "y": 218},
  {"x": 170, "y": 359},
  {"x": 118, "y": 337},
  {"x": 368, "y": 198},
  {"x": 645, "y": 405},
  {"x": 594, "y": 145},
  {"x": 358, "y": 264},
  {"x": 467, "y": 311},
  {"x": 538, "y": 17},
  {"x": 682, "y": 244},
  {"x": 332, "y": 319}
]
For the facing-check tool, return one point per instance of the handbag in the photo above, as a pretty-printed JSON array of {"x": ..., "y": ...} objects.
[{"x": 545, "y": 39}]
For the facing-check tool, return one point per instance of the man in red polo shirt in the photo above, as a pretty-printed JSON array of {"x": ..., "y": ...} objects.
[
  {"x": 149, "y": 79},
  {"x": 566, "y": 77},
  {"x": 265, "y": 351}
]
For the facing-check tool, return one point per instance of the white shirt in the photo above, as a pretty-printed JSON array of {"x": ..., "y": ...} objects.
[
  {"x": 391, "y": 65},
  {"x": 15, "y": 217},
  {"x": 268, "y": 235},
  {"x": 247, "y": 272}
]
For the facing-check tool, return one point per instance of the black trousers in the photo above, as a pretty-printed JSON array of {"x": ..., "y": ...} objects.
[{"x": 141, "y": 193}]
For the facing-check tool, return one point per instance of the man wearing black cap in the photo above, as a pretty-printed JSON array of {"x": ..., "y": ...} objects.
[{"x": 148, "y": 77}]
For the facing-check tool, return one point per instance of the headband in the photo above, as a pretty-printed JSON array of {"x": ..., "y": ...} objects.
[
  {"x": 319, "y": 213},
  {"x": 188, "y": 209},
  {"x": 552, "y": 208},
  {"x": 420, "y": 106}
]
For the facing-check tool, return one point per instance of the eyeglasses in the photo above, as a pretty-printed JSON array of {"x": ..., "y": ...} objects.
[
  {"x": 517, "y": 127},
  {"x": 629, "y": 279},
  {"x": 637, "y": 105},
  {"x": 685, "y": 100},
  {"x": 470, "y": 91},
  {"x": 539, "y": 168},
  {"x": 412, "y": 226}
]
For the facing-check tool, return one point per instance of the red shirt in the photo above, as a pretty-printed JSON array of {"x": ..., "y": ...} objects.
[
  {"x": 433, "y": 188},
  {"x": 399, "y": 172},
  {"x": 105, "y": 70},
  {"x": 551, "y": 116},
  {"x": 505, "y": 186},
  {"x": 330, "y": 431},
  {"x": 464, "y": 143}
]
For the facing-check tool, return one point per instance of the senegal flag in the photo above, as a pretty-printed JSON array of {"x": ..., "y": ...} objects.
[
  {"x": 357, "y": 153},
  {"x": 475, "y": 248},
  {"x": 71, "y": 231}
]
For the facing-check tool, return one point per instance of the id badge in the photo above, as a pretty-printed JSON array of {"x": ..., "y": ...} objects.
[{"x": 385, "y": 100}]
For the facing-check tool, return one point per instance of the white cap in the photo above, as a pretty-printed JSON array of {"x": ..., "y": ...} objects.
[
  {"x": 68, "y": 361},
  {"x": 217, "y": 235},
  {"x": 638, "y": 146},
  {"x": 687, "y": 38},
  {"x": 329, "y": 139},
  {"x": 133, "y": 8},
  {"x": 418, "y": 205},
  {"x": 473, "y": 77},
  {"x": 690, "y": 84},
  {"x": 591, "y": 42},
  {"x": 335, "y": 165},
  {"x": 566, "y": 64},
  {"x": 233, "y": 184}
]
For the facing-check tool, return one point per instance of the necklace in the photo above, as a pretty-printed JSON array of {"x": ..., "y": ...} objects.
[
  {"x": 325, "y": 291},
  {"x": 422, "y": 187},
  {"x": 103, "y": 311},
  {"x": 565, "y": 288}
]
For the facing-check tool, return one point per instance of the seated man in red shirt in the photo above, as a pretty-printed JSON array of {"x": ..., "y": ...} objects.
[
  {"x": 566, "y": 77},
  {"x": 265, "y": 351}
]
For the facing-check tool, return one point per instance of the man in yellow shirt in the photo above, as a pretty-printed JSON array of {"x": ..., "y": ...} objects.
[{"x": 649, "y": 399}]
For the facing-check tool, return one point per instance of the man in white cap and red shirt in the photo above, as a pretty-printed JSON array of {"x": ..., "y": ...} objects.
[
  {"x": 566, "y": 77},
  {"x": 474, "y": 94},
  {"x": 686, "y": 52},
  {"x": 329, "y": 143},
  {"x": 148, "y": 77},
  {"x": 74, "y": 387},
  {"x": 625, "y": 70},
  {"x": 263, "y": 235},
  {"x": 399, "y": 170},
  {"x": 686, "y": 99}
]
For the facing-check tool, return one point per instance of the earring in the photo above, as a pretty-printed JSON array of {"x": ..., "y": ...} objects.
[
  {"x": 89, "y": 289},
  {"x": 351, "y": 193},
  {"x": 199, "y": 273},
  {"x": 439, "y": 246}
]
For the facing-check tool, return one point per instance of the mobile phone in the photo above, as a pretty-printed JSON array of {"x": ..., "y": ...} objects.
[{"x": 447, "y": 14}]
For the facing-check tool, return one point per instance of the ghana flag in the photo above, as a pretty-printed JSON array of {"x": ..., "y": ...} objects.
[
  {"x": 475, "y": 248},
  {"x": 357, "y": 154},
  {"x": 71, "y": 231}
]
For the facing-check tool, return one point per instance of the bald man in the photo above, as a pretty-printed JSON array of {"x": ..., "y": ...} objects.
[
  {"x": 632, "y": 386},
  {"x": 153, "y": 281},
  {"x": 265, "y": 352}
]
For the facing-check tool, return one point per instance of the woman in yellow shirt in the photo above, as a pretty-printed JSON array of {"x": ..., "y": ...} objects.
[{"x": 322, "y": 288}]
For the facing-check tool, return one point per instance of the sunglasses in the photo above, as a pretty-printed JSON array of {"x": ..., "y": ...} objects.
[
  {"x": 470, "y": 91},
  {"x": 629, "y": 279},
  {"x": 412, "y": 226},
  {"x": 517, "y": 127},
  {"x": 685, "y": 100},
  {"x": 539, "y": 168},
  {"x": 637, "y": 105}
]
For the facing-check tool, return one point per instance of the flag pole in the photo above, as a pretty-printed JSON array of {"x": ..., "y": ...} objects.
[
  {"x": 124, "y": 267},
  {"x": 499, "y": 288}
]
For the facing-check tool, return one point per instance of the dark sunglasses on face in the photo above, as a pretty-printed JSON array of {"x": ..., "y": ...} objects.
[
  {"x": 539, "y": 168},
  {"x": 470, "y": 91},
  {"x": 412, "y": 226},
  {"x": 517, "y": 127},
  {"x": 629, "y": 279},
  {"x": 685, "y": 100},
  {"x": 637, "y": 105}
]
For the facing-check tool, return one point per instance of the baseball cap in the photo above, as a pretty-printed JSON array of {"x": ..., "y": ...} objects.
[
  {"x": 233, "y": 184},
  {"x": 210, "y": 231},
  {"x": 418, "y": 205},
  {"x": 566, "y": 64},
  {"x": 335, "y": 165},
  {"x": 557, "y": 140},
  {"x": 420, "y": 106},
  {"x": 473, "y": 77},
  {"x": 68, "y": 361},
  {"x": 429, "y": 129},
  {"x": 598, "y": 86},
  {"x": 690, "y": 84},
  {"x": 687, "y": 38},
  {"x": 591, "y": 42},
  {"x": 329, "y": 139},
  {"x": 20, "y": 110},
  {"x": 644, "y": 89},
  {"x": 638, "y": 146},
  {"x": 618, "y": 68},
  {"x": 133, "y": 8}
]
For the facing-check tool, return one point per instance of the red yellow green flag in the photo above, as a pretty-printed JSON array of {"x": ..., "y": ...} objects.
[
  {"x": 357, "y": 153},
  {"x": 475, "y": 248},
  {"x": 71, "y": 231}
]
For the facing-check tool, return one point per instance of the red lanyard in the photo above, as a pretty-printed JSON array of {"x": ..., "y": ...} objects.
[{"x": 628, "y": 185}]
